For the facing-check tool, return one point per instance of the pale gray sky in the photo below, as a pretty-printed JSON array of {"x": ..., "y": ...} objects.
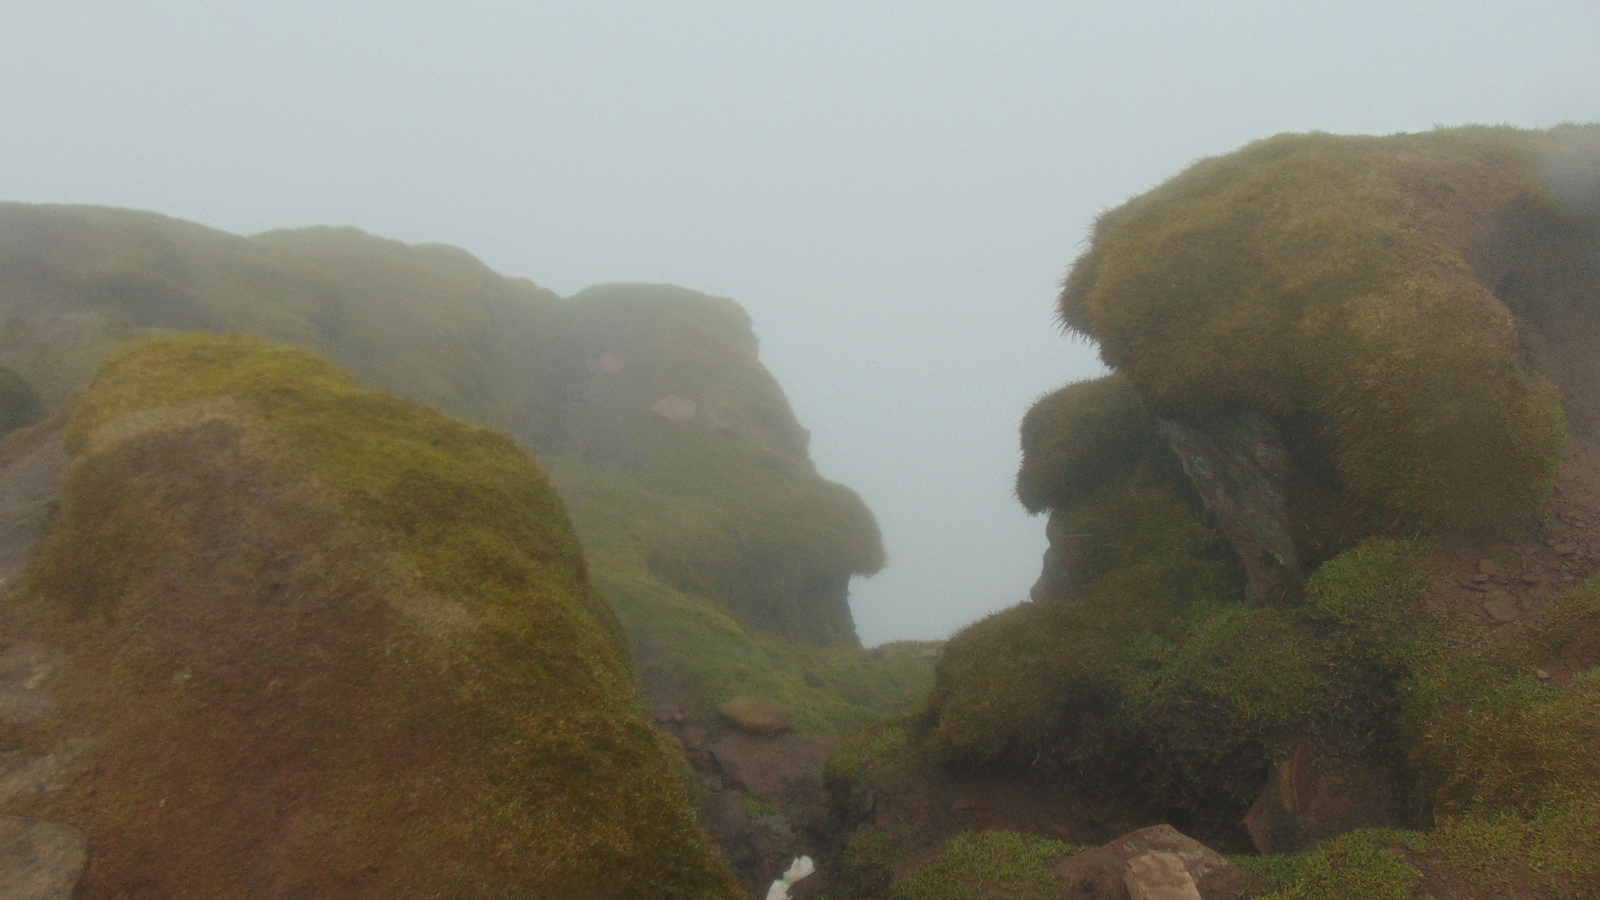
[{"x": 892, "y": 189}]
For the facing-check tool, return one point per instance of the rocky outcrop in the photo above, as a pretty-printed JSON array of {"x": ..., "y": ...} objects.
[
  {"x": 1238, "y": 465},
  {"x": 1307, "y": 799}
]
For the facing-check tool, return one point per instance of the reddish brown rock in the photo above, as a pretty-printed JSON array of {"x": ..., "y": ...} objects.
[{"x": 1308, "y": 800}]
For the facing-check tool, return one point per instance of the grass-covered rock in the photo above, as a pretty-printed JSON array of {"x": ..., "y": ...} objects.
[
  {"x": 321, "y": 641},
  {"x": 1411, "y": 322},
  {"x": 1347, "y": 288}
]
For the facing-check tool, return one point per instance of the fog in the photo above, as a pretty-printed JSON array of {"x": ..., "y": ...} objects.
[{"x": 893, "y": 190}]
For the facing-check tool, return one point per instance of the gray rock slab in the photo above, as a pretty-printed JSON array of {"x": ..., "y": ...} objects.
[
  {"x": 39, "y": 860},
  {"x": 24, "y": 777}
]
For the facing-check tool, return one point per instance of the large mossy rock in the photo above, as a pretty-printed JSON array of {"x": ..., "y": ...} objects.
[
  {"x": 1385, "y": 330},
  {"x": 325, "y": 642},
  {"x": 1351, "y": 289}
]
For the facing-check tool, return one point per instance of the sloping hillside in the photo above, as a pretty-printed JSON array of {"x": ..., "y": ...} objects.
[{"x": 288, "y": 637}]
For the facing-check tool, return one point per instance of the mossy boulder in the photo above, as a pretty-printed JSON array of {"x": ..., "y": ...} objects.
[
  {"x": 326, "y": 642},
  {"x": 1366, "y": 307},
  {"x": 1348, "y": 289}
]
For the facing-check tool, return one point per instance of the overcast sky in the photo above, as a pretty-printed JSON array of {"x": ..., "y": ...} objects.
[{"x": 893, "y": 190}]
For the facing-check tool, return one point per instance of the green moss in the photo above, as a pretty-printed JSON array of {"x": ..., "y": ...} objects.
[
  {"x": 457, "y": 515},
  {"x": 1041, "y": 683},
  {"x": 1370, "y": 864},
  {"x": 880, "y": 744},
  {"x": 1340, "y": 278},
  {"x": 866, "y": 868},
  {"x": 987, "y": 865},
  {"x": 1079, "y": 438}
]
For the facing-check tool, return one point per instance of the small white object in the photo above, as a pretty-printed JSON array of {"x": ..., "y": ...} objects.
[{"x": 802, "y": 867}]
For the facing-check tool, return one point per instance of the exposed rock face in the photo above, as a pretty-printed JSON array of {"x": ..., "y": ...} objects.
[
  {"x": 1307, "y": 800},
  {"x": 1238, "y": 465},
  {"x": 1159, "y": 862}
]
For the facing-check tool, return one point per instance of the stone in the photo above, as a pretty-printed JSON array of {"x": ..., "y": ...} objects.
[
  {"x": 1487, "y": 567},
  {"x": 1160, "y": 876},
  {"x": 611, "y": 365},
  {"x": 1104, "y": 871},
  {"x": 785, "y": 768},
  {"x": 39, "y": 860},
  {"x": 24, "y": 777},
  {"x": 674, "y": 408},
  {"x": 1501, "y": 608},
  {"x": 25, "y": 669},
  {"x": 1238, "y": 465},
  {"x": 1307, "y": 799},
  {"x": 755, "y": 715}
]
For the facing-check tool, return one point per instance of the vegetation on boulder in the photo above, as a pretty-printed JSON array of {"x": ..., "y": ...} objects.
[
  {"x": 327, "y": 641},
  {"x": 1345, "y": 287},
  {"x": 1389, "y": 308}
]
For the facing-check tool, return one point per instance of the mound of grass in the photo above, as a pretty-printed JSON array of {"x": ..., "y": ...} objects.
[
  {"x": 1080, "y": 438},
  {"x": 1156, "y": 687},
  {"x": 352, "y": 641}
]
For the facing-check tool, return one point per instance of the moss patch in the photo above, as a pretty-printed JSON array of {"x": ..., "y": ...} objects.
[{"x": 987, "y": 865}]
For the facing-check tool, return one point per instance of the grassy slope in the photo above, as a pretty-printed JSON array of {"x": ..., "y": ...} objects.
[
  {"x": 1344, "y": 287},
  {"x": 715, "y": 538},
  {"x": 463, "y": 720}
]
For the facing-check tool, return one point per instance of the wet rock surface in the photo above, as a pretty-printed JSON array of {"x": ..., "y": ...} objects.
[{"x": 764, "y": 802}]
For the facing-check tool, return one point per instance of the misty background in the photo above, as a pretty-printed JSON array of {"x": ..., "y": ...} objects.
[{"x": 892, "y": 189}]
